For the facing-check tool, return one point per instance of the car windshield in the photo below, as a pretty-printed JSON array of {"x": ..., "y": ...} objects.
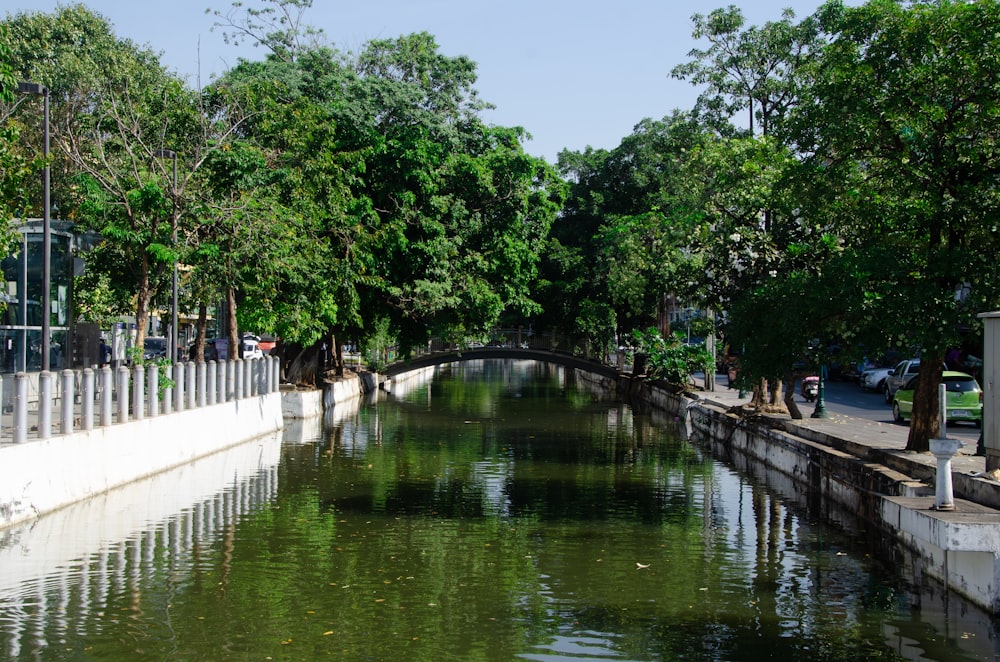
[{"x": 155, "y": 343}]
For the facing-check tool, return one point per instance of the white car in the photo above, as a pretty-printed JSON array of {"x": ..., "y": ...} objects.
[
  {"x": 251, "y": 349},
  {"x": 873, "y": 379}
]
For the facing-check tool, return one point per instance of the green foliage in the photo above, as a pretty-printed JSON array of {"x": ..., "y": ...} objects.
[
  {"x": 671, "y": 359},
  {"x": 755, "y": 68},
  {"x": 377, "y": 344},
  {"x": 165, "y": 378}
]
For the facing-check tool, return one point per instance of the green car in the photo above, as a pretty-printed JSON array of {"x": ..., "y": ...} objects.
[{"x": 963, "y": 398}]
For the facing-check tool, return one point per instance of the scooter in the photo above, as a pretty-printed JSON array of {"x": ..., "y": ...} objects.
[{"x": 810, "y": 388}]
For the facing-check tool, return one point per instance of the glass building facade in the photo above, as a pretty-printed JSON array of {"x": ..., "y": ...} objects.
[{"x": 21, "y": 317}]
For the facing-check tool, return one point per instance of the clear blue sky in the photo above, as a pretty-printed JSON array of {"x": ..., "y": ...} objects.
[{"x": 573, "y": 73}]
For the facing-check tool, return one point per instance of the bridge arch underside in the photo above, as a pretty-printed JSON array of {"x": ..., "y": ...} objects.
[{"x": 478, "y": 354}]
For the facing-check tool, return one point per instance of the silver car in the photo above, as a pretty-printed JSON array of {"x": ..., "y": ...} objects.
[
  {"x": 873, "y": 379},
  {"x": 899, "y": 376}
]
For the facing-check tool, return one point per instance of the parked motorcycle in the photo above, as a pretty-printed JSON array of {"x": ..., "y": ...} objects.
[{"x": 810, "y": 388}]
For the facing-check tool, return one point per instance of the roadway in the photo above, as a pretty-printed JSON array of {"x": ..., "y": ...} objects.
[{"x": 846, "y": 398}]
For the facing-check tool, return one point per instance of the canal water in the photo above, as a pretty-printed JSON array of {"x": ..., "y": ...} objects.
[{"x": 499, "y": 512}]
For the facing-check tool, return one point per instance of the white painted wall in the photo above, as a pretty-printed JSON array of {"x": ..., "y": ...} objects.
[{"x": 37, "y": 477}]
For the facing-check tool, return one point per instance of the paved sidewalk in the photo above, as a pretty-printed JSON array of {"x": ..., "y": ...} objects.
[{"x": 864, "y": 438}]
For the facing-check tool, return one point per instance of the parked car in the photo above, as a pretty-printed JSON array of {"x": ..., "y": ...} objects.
[
  {"x": 963, "y": 399},
  {"x": 154, "y": 348},
  {"x": 251, "y": 348},
  {"x": 899, "y": 376},
  {"x": 873, "y": 379}
]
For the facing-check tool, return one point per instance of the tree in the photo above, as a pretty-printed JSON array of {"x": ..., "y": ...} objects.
[
  {"x": 395, "y": 197},
  {"x": 621, "y": 238},
  {"x": 458, "y": 210},
  {"x": 114, "y": 108},
  {"x": 904, "y": 110},
  {"x": 279, "y": 26},
  {"x": 755, "y": 69},
  {"x": 15, "y": 166}
]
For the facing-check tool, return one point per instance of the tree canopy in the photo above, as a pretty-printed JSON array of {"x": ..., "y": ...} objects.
[{"x": 833, "y": 185}]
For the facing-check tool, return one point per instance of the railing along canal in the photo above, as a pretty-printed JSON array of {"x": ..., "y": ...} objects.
[{"x": 89, "y": 398}]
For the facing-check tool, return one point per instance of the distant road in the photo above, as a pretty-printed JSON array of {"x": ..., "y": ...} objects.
[
  {"x": 844, "y": 397},
  {"x": 847, "y": 399}
]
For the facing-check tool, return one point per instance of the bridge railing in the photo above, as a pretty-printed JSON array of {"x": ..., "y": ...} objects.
[
  {"x": 89, "y": 398},
  {"x": 515, "y": 338}
]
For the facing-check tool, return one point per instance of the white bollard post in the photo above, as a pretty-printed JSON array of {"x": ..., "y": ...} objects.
[
  {"x": 247, "y": 377},
  {"x": 211, "y": 382},
  {"x": 239, "y": 380},
  {"x": 87, "y": 400},
  {"x": 44, "y": 404},
  {"x": 153, "y": 384},
  {"x": 122, "y": 394},
  {"x": 201, "y": 384},
  {"x": 20, "y": 408},
  {"x": 192, "y": 386},
  {"x": 106, "y": 395},
  {"x": 178, "y": 387},
  {"x": 68, "y": 399},
  {"x": 230, "y": 389},
  {"x": 944, "y": 449},
  {"x": 138, "y": 391}
]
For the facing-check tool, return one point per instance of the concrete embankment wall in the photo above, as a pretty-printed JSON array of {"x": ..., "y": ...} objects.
[
  {"x": 313, "y": 402},
  {"x": 41, "y": 476},
  {"x": 959, "y": 549}
]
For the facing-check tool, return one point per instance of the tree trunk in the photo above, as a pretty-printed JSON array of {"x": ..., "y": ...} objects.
[
  {"x": 779, "y": 403},
  {"x": 300, "y": 363},
  {"x": 663, "y": 314},
  {"x": 338, "y": 352},
  {"x": 924, "y": 423},
  {"x": 143, "y": 296},
  {"x": 232, "y": 332},
  {"x": 201, "y": 327},
  {"x": 790, "y": 405}
]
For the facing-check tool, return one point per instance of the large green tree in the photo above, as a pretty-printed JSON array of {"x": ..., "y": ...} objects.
[
  {"x": 752, "y": 69},
  {"x": 619, "y": 245},
  {"x": 458, "y": 209},
  {"x": 904, "y": 112},
  {"x": 405, "y": 204},
  {"x": 16, "y": 166},
  {"x": 114, "y": 108}
]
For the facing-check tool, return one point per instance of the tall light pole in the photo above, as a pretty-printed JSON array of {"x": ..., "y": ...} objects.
[
  {"x": 40, "y": 90},
  {"x": 171, "y": 154}
]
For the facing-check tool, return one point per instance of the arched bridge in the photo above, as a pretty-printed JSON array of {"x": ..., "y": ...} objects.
[{"x": 480, "y": 353}]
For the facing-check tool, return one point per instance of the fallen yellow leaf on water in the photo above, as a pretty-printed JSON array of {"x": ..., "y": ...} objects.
[{"x": 328, "y": 633}]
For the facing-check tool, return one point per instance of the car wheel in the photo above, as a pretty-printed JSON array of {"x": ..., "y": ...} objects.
[
  {"x": 896, "y": 415},
  {"x": 888, "y": 396},
  {"x": 880, "y": 386}
]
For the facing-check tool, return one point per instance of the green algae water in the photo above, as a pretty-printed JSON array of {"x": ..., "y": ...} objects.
[{"x": 497, "y": 512}]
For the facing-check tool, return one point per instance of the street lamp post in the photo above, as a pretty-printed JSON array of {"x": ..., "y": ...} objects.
[
  {"x": 171, "y": 154},
  {"x": 820, "y": 411},
  {"x": 37, "y": 89}
]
